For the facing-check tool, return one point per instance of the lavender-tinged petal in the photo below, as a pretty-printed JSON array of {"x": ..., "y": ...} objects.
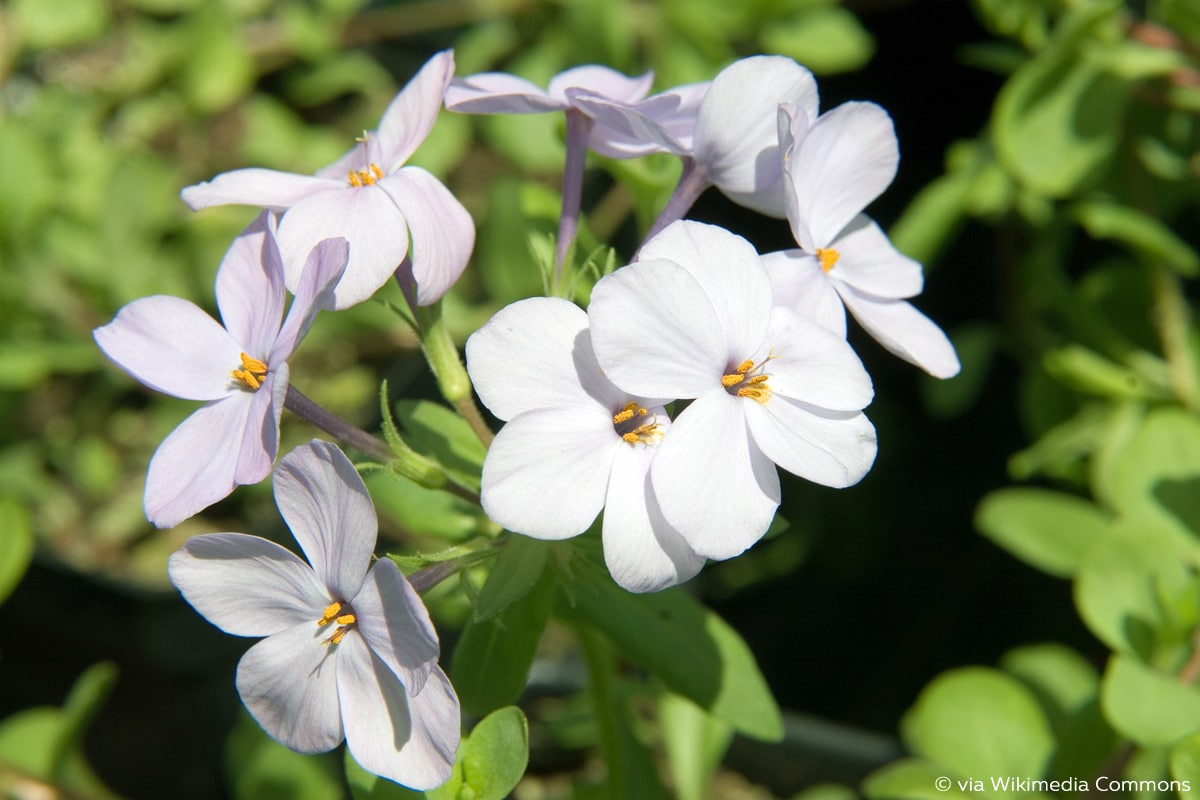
[
  {"x": 624, "y": 131},
  {"x": 288, "y": 683},
  {"x": 868, "y": 262},
  {"x": 652, "y": 347},
  {"x": 799, "y": 283},
  {"x": 547, "y": 470},
  {"x": 265, "y": 188},
  {"x": 498, "y": 93},
  {"x": 642, "y": 551},
  {"x": 246, "y": 585},
  {"x": 713, "y": 484},
  {"x": 604, "y": 81},
  {"x": 173, "y": 347},
  {"x": 396, "y": 626},
  {"x": 367, "y": 218},
  {"x": 814, "y": 365},
  {"x": 793, "y": 124},
  {"x": 442, "y": 232},
  {"x": 249, "y": 287},
  {"x": 195, "y": 465},
  {"x": 410, "y": 740},
  {"x": 323, "y": 269},
  {"x": 827, "y": 447},
  {"x": 410, "y": 116},
  {"x": 904, "y": 331},
  {"x": 260, "y": 438},
  {"x": 325, "y": 504}
]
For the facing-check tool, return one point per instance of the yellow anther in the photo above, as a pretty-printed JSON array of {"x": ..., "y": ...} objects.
[
  {"x": 354, "y": 179},
  {"x": 646, "y": 432},
  {"x": 759, "y": 394},
  {"x": 745, "y": 367},
  {"x": 346, "y": 619},
  {"x": 733, "y": 379},
  {"x": 331, "y": 613},
  {"x": 756, "y": 379},
  {"x": 252, "y": 373},
  {"x": 750, "y": 380},
  {"x": 626, "y": 414},
  {"x": 364, "y": 177},
  {"x": 828, "y": 257},
  {"x": 338, "y": 635}
]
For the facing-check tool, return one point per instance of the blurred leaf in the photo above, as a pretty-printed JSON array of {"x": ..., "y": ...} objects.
[
  {"x": 492, "y": 658},
  {"x": 1157, "y": 474},
  {"x": 914, "y": 779},
  {"x": 695, "y": 742},
  {"x": 931, "y": 219},
  {"x": 421, "y": 511},
  {"x": 975, "y": 344},
  {"x": 27, "y": 181},
  {"x": 1150, "y": 708},
  {"x": 827, "y": 39},
  {"x": 367, "y": 786},
  {"x": 517, "y": 210},
  {"x": 979, "y": 722},
  {"x": 1185, "y": 765},
  {"x": 62, "y": 23},
  {"x": 1048, "y": 530},
  {"x": 1084, "y": 370},
  {"x": 1142, "y": 233},
  {"x": 220, "y": 67},
  {"x": 436, "y": 431},
  {"x": 513, "y": 574},
  {"x": 491, "y": 760},
  {"x": 16, "y": 545},
  {"x": 259, "y": 767},
  {"x": 689, "y": 647},
  {"x": 1027, "y": 20},
  {"x": 827, "y": 791}
]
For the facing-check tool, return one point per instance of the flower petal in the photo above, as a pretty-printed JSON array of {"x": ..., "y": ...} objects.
[
  {"x": 410, "y": 116},
  {"x": 814, "y": 365},
  {"x": 173, "y": 347},
  {"x": 713, "y": 484},
  {"x": 655, "y": 331},
  {"x": 665, "y": 122},
  {"x": 367, "y": 218},
  {"x": 250, "y": 287},
  {"x": 642, "y": 551},
  {"x": 799, "y": 283},
  {"x": 601, "y": 80},
  {"x": 868, "y": 262},
  {"x": 731, "y": 274},
  {"x": 323, "y": 269},
  {"x": 265, "y": 188},
  {"x": 288, "y": 683},
  {"x": 547, "y": 470},
  {"x": 325, "y": 503},
  {"x": 826, "y": 447},
  {"x": 844, "y": 161},
  {"x": 395, "y": 624},
  {"x": 498, "y": 93},
  {"x": 737, "y": 140},
  {"x": 260, "y": 437},
  {"x": 246, "y": 585},
  {"x": 195, "y": 465},
  {"x": 410, "y": 740},
  {"x": 441, "y": 230},
  {"x": 905, "y": 331}
]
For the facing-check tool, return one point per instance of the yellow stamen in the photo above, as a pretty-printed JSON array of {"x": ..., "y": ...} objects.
[
  {"x": 252, "y": 373},
  {"x": 645, "y": 433},
  {"x": 828, "y": 257},
  {"x": 337, "y": 637},
  {"x": 334, "y": 613},
  {"x": 331, "y": 612},
  {"x": 346, "y": 619},
  {"x": 750, "y": 380},
  {"x": 367, "y": 176}
]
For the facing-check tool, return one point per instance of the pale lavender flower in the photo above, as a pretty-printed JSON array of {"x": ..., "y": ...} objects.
[
  {"x": 573, "y": 443},
  {"x": 349, "y": 651},
  {"x": 694, "y": 319},
  {"x": 395, "y": 217},
  {"x": 835, "y": 166},
  {"x": 239, "y": 371}
]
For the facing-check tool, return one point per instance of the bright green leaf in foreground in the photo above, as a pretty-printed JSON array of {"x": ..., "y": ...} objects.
[
  {"x": 1051, "y": 531},
  {"x": 491, "y": 760},
  {"x": 1149, "y": 707}
]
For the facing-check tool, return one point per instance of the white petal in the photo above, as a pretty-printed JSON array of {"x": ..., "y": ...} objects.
[
  {"x": 265, "y": 188},
  {"x": 408, "y": 740},
  {"x": 246, "y": 585},
  {"x": 642, "y": 551},
  {"x": 814, "y": 365},
  {"x": 411, "y": 115},
  {"x": 713, "y": 484},
  {"x": 323, "y": 269},
  {"x": 288, "y": 683},
  {"x": 737, "y": 140},
  {"x": 195, "y": 465},
  {"x": 846, "y": 160},
  {"x": 905, "y": 331},
  {"x": 547, "y": 470},
  {"x": 826, "y": 447},
  {"x": 367, "y": 218},
  {"x": 249, "y": 287},
  {"x": 868, "y": 262},
  {"x": 441, "y": 230},
  {"x": 173, "y": 347},
  {"x": 729, "y": 270},
  {"x": 799, "y": 283},
  {"x": 259, "y": 440},
  {"x": 604, "y": 81},
  {"x": 663, "y": 123},
  {"x": 325, "y": 504},
  {"x": 498, "y": 93},
  {"x": 393, "y": 621},
  {"x": 655, "y": 331}
]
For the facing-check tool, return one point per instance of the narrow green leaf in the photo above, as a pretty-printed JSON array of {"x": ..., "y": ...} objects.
[
  {"x": 438, "y": 432},
  {"x": 1049, "y": 530},
  {"x": 695, "y": 743},
  {"x": 692, "y": 650},
  {"x": 514, "y": 573},
  {"x": 1149, "y": 707},
  {"x": 1145, "y": 235},
  {"x": 16, "y": 545},
  {"x": 1084, "y": 370}
]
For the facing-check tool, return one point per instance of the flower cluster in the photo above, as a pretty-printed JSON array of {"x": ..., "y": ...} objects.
[{"x": 696, "y": 371}]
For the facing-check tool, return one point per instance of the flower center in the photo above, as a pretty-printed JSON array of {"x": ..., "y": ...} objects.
[
  {"x": 343, "y": 615},
  {"x": 252, "y": 374},
  {"x": 368, "y": 174},
  {"x": 748, "y": 380},
  {"x": 631, "y": 425},
  {"x": 828, "y": 257}
]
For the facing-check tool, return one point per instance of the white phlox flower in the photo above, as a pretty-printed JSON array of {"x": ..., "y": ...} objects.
[
  {"x": 349, "y": 651},
  {"x": 573, "y": 443},
  {"x": 834, "y": 167},
  {"x": 694, "y": 319}
]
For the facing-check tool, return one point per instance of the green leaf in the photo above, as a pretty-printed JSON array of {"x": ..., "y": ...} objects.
[
  {"x": 1149, "y": 707},
  {"x": 1084, "y": 370},
  {"x": 695, "y": 742},
  {"x": 692, "y": 650},
  {"x": 1156, "y": 476},
  {"x": 915, "y": 779},
  {"x": 514, "y": 573},
  {"x": 1049, "y": 530},
  {"x": 220, "y": 67},
  {"x": 1185, "y": 766},
  {"x": 1143, "y": 234},
  {"x": 826, "y": 39},
  {"x": 439, "y": 432},
  {"x": 59, "y": 24},
  {"x": 491, "y": 760},
  {"x": 975, "y": 344},
  {"x": 980, "y": 722},
  {"x": 260, "y": 767},
  {"x": 367, "y": 786},
  {"x": 428, "y": 512},
  {"x": 16, "y": 545},
  {"x": 492, "y": 658}
]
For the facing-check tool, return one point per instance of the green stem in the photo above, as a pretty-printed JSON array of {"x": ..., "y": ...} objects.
[
  {"x": 597, "y": 654},
  {"x": 442, "y": 354}
]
